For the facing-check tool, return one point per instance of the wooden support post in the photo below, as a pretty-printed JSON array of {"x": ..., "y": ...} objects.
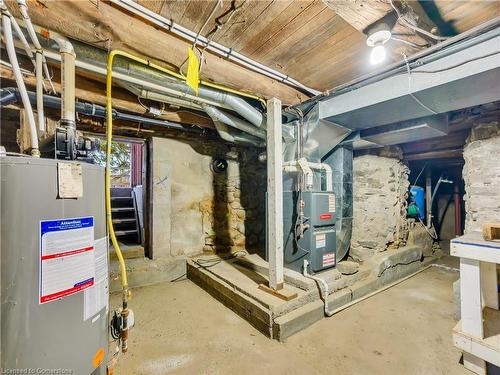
[
  {"x": 489, "y": 285},
  {"x": 274, "y": 194},
  {"x": 471, "y": 309},
  {"x": 24, "y": 133}
]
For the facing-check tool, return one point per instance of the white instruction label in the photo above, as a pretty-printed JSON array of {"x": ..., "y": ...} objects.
[
  {"x": 66, "y": 257},
  {"x": 97, "y": 296},
  {"x": 320, "y": 240},
  {"x": 69, "y": 180},
  {"x": 328, "y": 259},
  {"x": 331, "y": 202}
]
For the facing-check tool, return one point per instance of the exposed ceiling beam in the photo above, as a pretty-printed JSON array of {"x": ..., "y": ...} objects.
[
  {"x": 443, "y": 154},
  {"x": 104, "y": 26}
]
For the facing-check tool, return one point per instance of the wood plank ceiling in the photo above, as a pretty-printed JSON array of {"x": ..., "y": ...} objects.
[{"x": 319, "y": 43}]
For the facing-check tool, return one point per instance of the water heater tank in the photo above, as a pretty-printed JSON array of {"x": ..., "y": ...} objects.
[{"x": 54, "y": 267}]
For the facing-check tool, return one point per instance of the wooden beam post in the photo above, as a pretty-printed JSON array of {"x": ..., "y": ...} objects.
[{"x": 274, "y": 194}]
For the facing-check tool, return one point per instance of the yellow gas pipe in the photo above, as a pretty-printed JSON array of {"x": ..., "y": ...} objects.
[{"x": 109, "y": 138}]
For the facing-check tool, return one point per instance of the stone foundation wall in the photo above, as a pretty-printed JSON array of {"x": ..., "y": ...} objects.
[
  {"x": 380, "y": 191},
  {"x": 196, "y": 209},
  {"x": 481, "y": 175},
  {"x": 235, "y": 215}
]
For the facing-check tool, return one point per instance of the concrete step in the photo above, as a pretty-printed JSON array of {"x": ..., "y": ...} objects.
[
  {"x": 144, "y": 271},
  {"x": 235, "y": 283}
]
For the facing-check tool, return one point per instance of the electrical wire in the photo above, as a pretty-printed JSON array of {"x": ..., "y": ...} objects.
[
  {"x": 219, "y": 25},
  {"x": 404, "y": 22},
  {"x": 415, "y": 183},
  {"x": 433, "y": 236},
  {"x": 456, "y": 65},
  {"x": 213, "y": 261},
  {"x": 193, "y": 46},
  {"x": 411, "y": 44},
  {"x": 410, "y": 92}
]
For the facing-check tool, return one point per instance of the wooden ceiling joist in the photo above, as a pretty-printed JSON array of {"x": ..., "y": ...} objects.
[{"x": 107, "y": 27}]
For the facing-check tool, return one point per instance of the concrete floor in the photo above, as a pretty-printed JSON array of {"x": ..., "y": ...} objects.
[{"x": 181, "y": 329}]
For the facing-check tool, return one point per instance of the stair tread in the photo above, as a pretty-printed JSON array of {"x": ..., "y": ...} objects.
[
  {"x": 120, "y": 198},
  {"x": 126, "y": 220},
  {"x": 122, "y": 209},
  {"x": 125, "y": 232}
]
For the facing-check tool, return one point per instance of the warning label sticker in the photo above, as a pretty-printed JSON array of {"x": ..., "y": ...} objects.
[
  {"x": 328, "y": 259},
  {"x": 331, "y": 202},
  {"x": 66, "y": 257},
  {"x": 320, "y": 240},
  {"x": 97, "y": 296}
]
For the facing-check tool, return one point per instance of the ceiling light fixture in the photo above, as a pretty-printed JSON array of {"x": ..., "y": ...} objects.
[
  {"x": 379, "y": 33},
  {"x": 377, "y": 55}
]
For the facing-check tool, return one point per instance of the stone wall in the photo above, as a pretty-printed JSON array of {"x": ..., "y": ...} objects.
[
  {"x": 380, "y": 191},
  {"x": 196, "y": 209},
  {"x": 481, "y": 175}
]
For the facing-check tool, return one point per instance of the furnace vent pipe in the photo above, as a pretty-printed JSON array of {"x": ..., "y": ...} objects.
[
  {"x": 9, "y": 44},
  {"x": 220, "y": 116},
  {"x": 225, "y": 134},
  {"x": 178, "y": 89},
  {"x": 68, "y": 62},
  {"x": 237, "y": 104},
  {"x": 328, "y": 173}
]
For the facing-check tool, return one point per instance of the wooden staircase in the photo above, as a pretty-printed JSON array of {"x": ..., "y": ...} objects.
[{"x": 124, "y": 215}]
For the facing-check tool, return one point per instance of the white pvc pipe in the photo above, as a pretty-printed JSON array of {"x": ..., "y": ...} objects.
[
  {"x": 328, "y": 173},
  {"x": 323, "y": 292},
  {"x": 39, "y": 91},
  {"x": 23, "y": 8},
  {"x": 11, "y": 52},
  {"x": 296, "y": 165},
  {"x": 68, "y": 89},
  {"x": 23, "y": 40}
]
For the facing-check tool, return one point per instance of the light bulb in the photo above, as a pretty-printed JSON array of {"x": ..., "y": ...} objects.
[{"x": 377, "y": 55}]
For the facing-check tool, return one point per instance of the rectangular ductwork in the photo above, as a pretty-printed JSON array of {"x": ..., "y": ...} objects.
[
  {"x": 407, "y": 131},
  {"x": 462, "y": 75}
]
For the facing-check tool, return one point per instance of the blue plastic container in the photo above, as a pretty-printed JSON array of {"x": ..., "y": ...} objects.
[{"x": 418, "y": 194}]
